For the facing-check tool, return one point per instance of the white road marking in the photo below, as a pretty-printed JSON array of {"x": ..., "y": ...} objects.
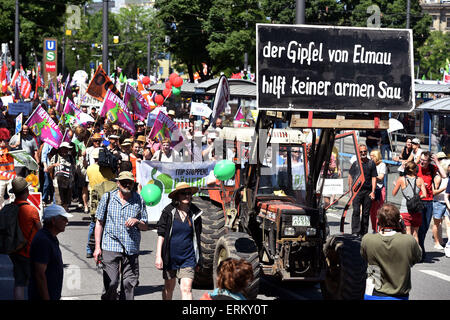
[{"x": 436, "y": 274}]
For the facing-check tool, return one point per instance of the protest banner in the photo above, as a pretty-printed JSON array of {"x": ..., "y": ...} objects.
[
  {"x": 200, "y": 109},
  {"x": 221, "y": 98},
  {"x": 167, "y": 174},
  {"x": 326, "y": 68},
  {"x": 19, "y": 107},
  {"x": 25, "y": 158},
  {"x": 117, "y": 112},
  {"x": 100, "y": 84},
  {"x": 6, "y": 100},
  {"x": 136, "y": 103},
  {"x": 164, "y": 127},
  {"x": 19, "y": 120},
  {"x": 44, "y": 127}
]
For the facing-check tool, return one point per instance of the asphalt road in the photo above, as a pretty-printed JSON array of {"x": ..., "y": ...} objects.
[{"x": 82, "y": 281}]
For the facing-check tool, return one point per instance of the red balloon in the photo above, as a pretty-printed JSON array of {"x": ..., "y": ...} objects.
[
  {"x": 167, "y": 92},
  {"x": 168, "y": 85},
  {"x": 159, "y": 99},
  {"x": 13, "y": 63},
  {"x": 178, "y": 82},
  {"x": 146, "y": 80},
  {"x": 172, "y": 77}
]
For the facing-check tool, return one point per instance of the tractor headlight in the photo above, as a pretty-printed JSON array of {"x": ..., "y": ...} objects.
[{"x": 289, "y": 231}]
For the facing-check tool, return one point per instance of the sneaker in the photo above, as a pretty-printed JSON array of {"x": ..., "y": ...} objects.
[
  {"x": 438, "y": 246},
  {"x": 447, "y": 250}
]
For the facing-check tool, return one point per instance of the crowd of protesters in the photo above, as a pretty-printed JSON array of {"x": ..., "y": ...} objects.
[{"x": 72, "y": 173}]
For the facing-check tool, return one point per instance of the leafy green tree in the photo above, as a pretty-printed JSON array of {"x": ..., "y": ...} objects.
[
  {"x": 231, "y": 26},
  {"x": 184, "y": 26},
  {"x": 393, "y": 15},
  {"x": 433, "y": 55},
  {"x": 38, "y": 19}
]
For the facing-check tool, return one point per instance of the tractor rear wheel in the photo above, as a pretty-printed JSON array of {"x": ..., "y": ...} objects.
[
  {"x": 213, "y": 227},
  {"x": 346, "y": 269},
  {"x": 239, "y": 245}
]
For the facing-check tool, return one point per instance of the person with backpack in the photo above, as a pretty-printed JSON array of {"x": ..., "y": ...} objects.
[
  {"x": 7, "y": 170},
  {"x": 29, "y": 223},
  {"x": 410, "y": 185},
  {"x": 100, "y": 181},
  {"x": 121, "y": 216},
  {"x": 64, "y": 168}
]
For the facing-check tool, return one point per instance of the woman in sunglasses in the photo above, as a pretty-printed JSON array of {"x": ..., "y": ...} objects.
[{"x": 177, "y": 251}]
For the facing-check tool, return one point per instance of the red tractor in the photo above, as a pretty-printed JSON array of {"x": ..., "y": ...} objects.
[{"x": 272, "y": 213}]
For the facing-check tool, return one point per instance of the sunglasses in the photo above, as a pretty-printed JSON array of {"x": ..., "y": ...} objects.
[
  {"x": 362, "y": 152},
  {"x": 186, "y": 193},
  {"x": 126, "y": 182}
]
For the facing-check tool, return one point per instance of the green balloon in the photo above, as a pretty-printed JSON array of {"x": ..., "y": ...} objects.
[
  {"x": 176, "y": 91},
  {"x": 151, "y": 194},
  {"x": 224, "y": 170}
]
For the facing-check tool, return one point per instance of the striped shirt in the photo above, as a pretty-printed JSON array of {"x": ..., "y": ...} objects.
[
  {"x": 6, "y": 165},
  {"x": 116, "y": 236}
]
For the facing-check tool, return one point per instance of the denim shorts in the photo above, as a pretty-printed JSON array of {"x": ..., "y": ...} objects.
[{"x": 439, "y": 210}]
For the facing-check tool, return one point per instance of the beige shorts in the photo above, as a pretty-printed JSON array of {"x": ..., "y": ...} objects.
[{"x": 179, "y": 273}]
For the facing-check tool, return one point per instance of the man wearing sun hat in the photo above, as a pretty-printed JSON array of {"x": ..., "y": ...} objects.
[
  {"x": 416, "y": 151},
  {"x": 121, "y": 216},
  {"x": 47, "y": 268}
]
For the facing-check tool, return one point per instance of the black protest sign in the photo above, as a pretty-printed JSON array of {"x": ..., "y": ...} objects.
[{"x": 323, "y": 68}]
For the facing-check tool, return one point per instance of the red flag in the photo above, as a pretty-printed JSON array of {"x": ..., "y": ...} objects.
[
  {"x": 4, "y": 78},
  {"x": 25, "y": 85}
]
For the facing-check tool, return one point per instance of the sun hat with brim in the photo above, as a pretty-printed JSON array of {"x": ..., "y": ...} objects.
[
  {"x": 55, "y": 210},
  {"x": 19, "y": 184},
  {"x": 141, "y": 139},
  {"x": 182, "y": 186},
  {"x": 171, "y": 112},
  {"x": 96, "y": 136},
  {"x": 415, "y": 141},
  {"x": 125, "y": 175},
  {"x": 65, "y": 145},
  {"x": 113, "y": 136},
  {"x": 441, "y": 155}
]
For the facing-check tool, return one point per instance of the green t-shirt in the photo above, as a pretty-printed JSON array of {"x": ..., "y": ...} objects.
[{"x": 390, "y": 258}]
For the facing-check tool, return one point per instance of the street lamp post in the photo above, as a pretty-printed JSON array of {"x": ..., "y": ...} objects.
[
  {"x": 148, "y": 54},
  {"x": 16, "y": 37},
  {"x": 300, "y": 12},
  {"x": 105, "y": 36}
]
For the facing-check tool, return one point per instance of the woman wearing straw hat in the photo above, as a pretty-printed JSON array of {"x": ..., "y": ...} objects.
[{"x": 177, "y": 251}]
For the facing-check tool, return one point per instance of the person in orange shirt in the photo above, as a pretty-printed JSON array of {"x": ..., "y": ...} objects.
[
  {"x": 29, "y": 223},
  {"x": 7, "y": 170}
]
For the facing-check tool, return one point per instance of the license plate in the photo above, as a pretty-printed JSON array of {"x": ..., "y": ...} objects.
[{"x": 301, "y": 221}]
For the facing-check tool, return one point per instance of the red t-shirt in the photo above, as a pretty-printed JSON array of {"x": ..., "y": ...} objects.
[
  {"x": 427, "y": 174},
  {"x": 28, "y": 218}
]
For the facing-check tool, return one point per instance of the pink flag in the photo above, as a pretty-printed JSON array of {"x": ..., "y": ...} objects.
[
  {"x": 44, "y": 127},
  {"x": 117, "y": 112},
  {"x": 136, "y": 103},
  {"x": 239, "y": 115},
  {"x": 164, "y": 127}
]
